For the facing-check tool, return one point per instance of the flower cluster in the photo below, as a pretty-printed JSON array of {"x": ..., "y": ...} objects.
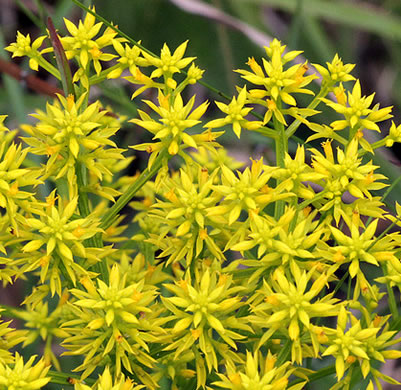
[{"x": 224, "y": 276}]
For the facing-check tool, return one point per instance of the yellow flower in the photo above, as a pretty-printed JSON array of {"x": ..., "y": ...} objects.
[
  {"x": 118, "y": 320},
  {"x": 28, "y": 376},
  {"x": 63, "y": 237},
  {"x": 259, "y": 372},
  {"x": 13, "y": 178},
  {"x": 107, "y": 382},
  {"x": 356, "y": 111},
  {"x": 205, "y": 305},
  {"x": 23, "y": 47},
  {"x": 168, "y": 63},
  {"x": 183, "y": 215},
  {"x": 348, "y": 174},
  {"x": 287, "y": 308},
  {"x": 175, "y": 119},
  {"x": 83, "y": 45},
  {"x": 236, "y": 113},
  {"x": 336, "y": 71},
  {"x": 69, "y": 132},
  {"x": 130, "y": 57},
  {"x": 278, "y": 84}
]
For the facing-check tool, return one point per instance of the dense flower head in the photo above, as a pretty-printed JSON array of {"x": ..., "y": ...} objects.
[
  {"x": 25, "y": 47},
  {"x": 356, "y": 110},
  {"x": 13, "y": 177},
  {"x": 170, "y": 129},
  {"x": 335, "y": 72},
  {"x": 168, "y": 64},
  {"x": 353, "y": 343},
  {"x": 106, "y": 382},
  {"x": 279, "y": 242},
  {"x": 236, "y": 113},
  {"x": 114, "y": 323},
  {"x": 62, "y": 237},
  {"x": 70, "y": 132},
  {"x": 9, "y": 338},
  {"x": 20, "y": 376},
  {"x": 259, "y": 373},
  {"x": 288, "y": 307},
  {"x": 348, "y": 174},
  {"x": 200, "y": 307},
  {"x": 278, "y": 83},
  {"x": 83, "y": 44}
]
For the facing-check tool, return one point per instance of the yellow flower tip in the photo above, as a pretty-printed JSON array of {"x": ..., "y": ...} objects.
[
  {"x": 355, "y": 217},
  {"x": 127, "y": 385},
  {"x": 377, "y": 321},
  {"x": 117, "y": 335},
  {"x": 328, "y": 150},
  {"x": 13, "y": 189},
  {"x": 253, "y": 213},
  {"x": 173, "y": 148},
  {"x": 369, "y": 178},
  {"x": 351, "y": 359},
  {"x": 72, "y": 381},
  {"x": 338, "y": 257},
  {"x": 150, "y": 271},
  {"x": 147, "y": 201},
  {"x": 44, "y": 261},
  {"x": 111, "y": 231},
  {"x": 235, "y": 379},
  {"x": 359, "y": 134},
  {"x": 339, "y": 93},
  {"x": 136, "y": 296},
  {"x": 70, "y": 102},
  {"x": 322, "y": 337},
  {"x": 222, "y": 280},
  {"x": 171, "y": 83},
  {"x": 89, "y": 286},
  {"x": 276, "y": 341},
  {"x": 271, "y": 104},
  {"x": 64, "y": 298},
  {"x": 78, "y": 232},
  {"x": 203, "y": 234},
  {"x": 149, "y": 149},
  {"x": 95, "y": 52},
  {"x": 182, "y": 283},
  {"x": 306, "y": 211},
  {"x": 171, "y": 196},
  {"x": 272, "y": 300},
  {"x": 196, "y": 333}
]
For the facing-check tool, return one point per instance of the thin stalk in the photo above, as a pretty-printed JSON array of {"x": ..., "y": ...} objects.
[
  {"x": 392, "y": 302},
  {"x": 292, "y": 128},
  {"x": 125, "y": 198},
  {"x": 281, "y": 141}
]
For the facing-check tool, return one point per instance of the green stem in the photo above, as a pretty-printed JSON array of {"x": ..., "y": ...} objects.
[
  {"x": 63, "y": 378},
  {"x": 146, "y": 175},
  {"x": 392, "y": 302},
  {"x": 281, "y": 141},
  {"x": 48, "y": 67},
  {"x": 83, "y": 201},
  {"x": 317, "y": 375},
  {"x": 284, "y": 353},
  {"x": 109, "y": 217},
  {"x": 96, "y": 79}
]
